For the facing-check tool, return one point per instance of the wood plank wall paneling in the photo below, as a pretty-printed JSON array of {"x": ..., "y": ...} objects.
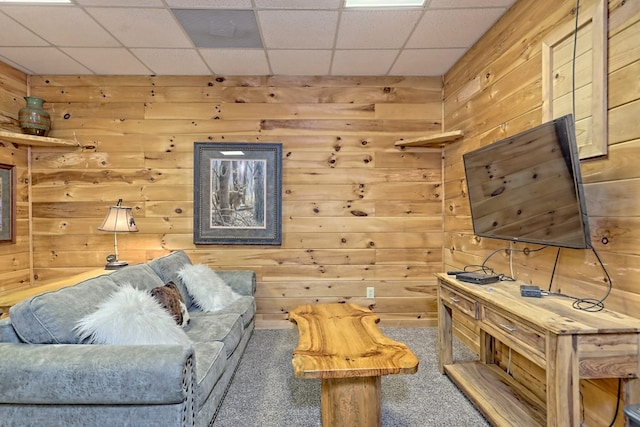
[
  {"x": 137, "y": 137},
  {"x": 15, "y": 260},
  {"x": 494, "y": 91},
  {"x": 356, "y": 212}
]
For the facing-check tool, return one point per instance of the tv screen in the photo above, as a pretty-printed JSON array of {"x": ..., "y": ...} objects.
[{"x": 528, "y": 188}]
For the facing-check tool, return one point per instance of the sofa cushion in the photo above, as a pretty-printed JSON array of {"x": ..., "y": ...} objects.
[
  {"x": 244, "y": 306},
  {"x": 211, "y": 361},
  {"x": 49, "y": 318},
  {"x": 166, "y": 267},
  {"x": 140, "y": 276},
  {"x": 242, "y": 282},
  {"x": 207, "y": 327},
  {"x": 208, "y": 290},
  {"x": 130, "y": 316}
]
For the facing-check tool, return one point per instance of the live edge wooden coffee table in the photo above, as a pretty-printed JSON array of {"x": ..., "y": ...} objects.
[{"x": 342, "y": 345}]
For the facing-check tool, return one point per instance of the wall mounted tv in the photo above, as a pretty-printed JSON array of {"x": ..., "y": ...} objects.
[{"x": 528, "y": 187}]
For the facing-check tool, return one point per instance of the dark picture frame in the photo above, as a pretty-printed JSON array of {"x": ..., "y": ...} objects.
[
  {"x": 7, "y": 203},
  {"x": 237, "y": 193}
]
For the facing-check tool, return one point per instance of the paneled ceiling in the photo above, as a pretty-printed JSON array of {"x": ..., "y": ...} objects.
[{"x": 241, "y": 37}]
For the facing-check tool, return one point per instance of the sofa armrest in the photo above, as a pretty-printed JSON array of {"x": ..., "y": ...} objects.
[
  {"x": 58, "y": 374},
  {"x": 241, "y": 281}
]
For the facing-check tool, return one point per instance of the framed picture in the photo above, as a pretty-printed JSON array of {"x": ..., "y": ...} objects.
[
  {"x": 237, "y": 193},
  {"x": 7, "y": 203}
]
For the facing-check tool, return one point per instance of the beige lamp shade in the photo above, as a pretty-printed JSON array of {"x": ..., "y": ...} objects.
[{"x": 119, "y": 218}]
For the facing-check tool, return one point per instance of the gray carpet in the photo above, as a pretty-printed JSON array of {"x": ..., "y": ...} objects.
[{"x": 265, "y": 393}]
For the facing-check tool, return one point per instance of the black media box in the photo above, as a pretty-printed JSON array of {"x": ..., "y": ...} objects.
[
  {"x": 478, "y": 278},
  {"x": 530, "y": 291}
]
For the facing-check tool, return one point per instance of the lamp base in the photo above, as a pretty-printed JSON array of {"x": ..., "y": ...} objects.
[{"x": 114, "y": 265}]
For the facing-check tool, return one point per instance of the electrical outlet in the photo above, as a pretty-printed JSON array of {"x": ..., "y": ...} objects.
[{"x": 371, "y": 292}]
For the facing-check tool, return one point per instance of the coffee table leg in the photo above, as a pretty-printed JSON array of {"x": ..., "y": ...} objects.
[{"x": 351, "y": 402}]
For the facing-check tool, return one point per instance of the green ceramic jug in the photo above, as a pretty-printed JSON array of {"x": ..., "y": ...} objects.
[{"x": 33, "y": 118}]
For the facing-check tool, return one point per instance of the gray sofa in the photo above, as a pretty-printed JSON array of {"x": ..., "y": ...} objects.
[{"x": 50, "y": 378}]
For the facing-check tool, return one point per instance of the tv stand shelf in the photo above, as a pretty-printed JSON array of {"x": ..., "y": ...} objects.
[
  {"x": 568, "y": 344},
  {"x": 488, "y": 386}
]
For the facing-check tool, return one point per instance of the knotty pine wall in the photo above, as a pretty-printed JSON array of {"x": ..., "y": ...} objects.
[
  {"x": 357, "y": 211},
  {"x": 15, "y": 260},
  {"x": 495, "y": 91}
]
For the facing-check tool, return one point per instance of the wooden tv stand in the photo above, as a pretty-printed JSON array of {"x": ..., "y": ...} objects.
[{"x": 568, "y": 344}]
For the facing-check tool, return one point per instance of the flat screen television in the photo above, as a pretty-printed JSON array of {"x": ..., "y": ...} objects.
[{"x": 528, "y": 187}]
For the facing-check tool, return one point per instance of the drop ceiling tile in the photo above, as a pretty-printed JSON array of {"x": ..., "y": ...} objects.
[
  {"x": 126, "y": 3},
  {"x": 240, "y": 62},
  {"x": 53, "y": 23},
  {"x": 362, "y": 62},
  {"x": 172, "y": 61},
  {"x": 297, "y": 29},
  {"x": 285, "y": 25},
  {"x": 210, "y": 4},
  {"x": 425, "y": 62},
  {"x": 43, "y": 60},
  {"x": 298, "y": 4},
  {"x": 441, "y": 28},
  {"x": 375, "y": 28},
  {"x": 142, "y": 27},
  {"x": 453, "y": 4},
  {"x": 300, "y": 62},
  {"x": 14, "y": 34},
  {"x": 108, "y": 61},
  {"x": 215, "y": 28}
]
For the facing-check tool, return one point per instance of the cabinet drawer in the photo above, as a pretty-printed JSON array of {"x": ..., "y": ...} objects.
[
  {"x": 517, "y": 334},
  {"x": 459, "y": 301}
]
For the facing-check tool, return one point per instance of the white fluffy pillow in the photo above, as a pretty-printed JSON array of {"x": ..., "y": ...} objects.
[
  {"x": 208, "y": 290},
  {"x": 131, "y": 317}
]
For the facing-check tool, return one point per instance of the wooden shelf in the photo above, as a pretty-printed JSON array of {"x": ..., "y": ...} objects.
[
  {"x": 36, "y": 141},
  {"x": 502, "y": 399},
  {"x": 436, "y": 140}
]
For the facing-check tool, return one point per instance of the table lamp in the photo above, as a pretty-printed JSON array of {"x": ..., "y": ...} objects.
[{"x": 119, "y": 218}]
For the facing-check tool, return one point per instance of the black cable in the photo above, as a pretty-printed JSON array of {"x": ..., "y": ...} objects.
[
  {"x": 581, "y": 409},
  {"x": 573, "y": 64},
  {"x": 489, "y": 270},
  {"x": 592, "y": 304},
  {"x": 615, "y": 415},
  {"x": 588, "y": 304},
  {"x": 477, "y": 268},
  {"x": 559, "y": 294},
  {"x": 484, "y": 263},
  {"x": 553, "y": 272}
]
